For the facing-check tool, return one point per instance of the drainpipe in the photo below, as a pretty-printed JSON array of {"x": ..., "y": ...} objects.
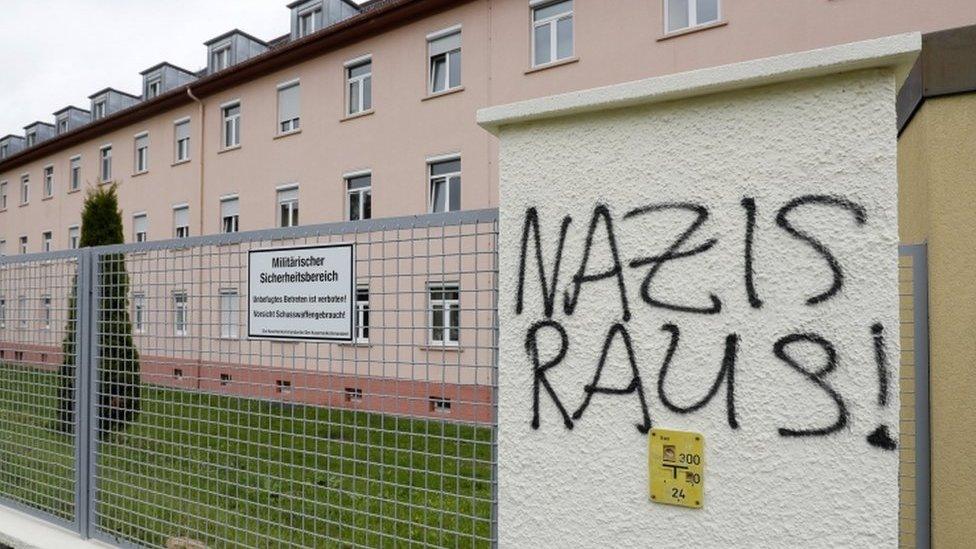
[
  {"x": 203, "y": 131},
  {"x": 200, "y": 160}
]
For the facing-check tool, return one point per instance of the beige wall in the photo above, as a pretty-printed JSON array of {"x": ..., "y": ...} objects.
[
  {"x": 615, "y": 42},
  {"x": 937, "y": 160}
]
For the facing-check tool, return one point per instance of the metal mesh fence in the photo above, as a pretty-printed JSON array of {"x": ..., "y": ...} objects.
[
  {"x": 38, "y": 331},
  {"x": 203, "y": 436}
]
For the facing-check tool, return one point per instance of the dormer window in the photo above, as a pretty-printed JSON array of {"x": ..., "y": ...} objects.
[
  {"x": 62, "y": 125},
  {"x": 220, "y": 57},
  {"x": 31, "y": 139},
  {"x": 309, "y": 21},
  {"x": 98, "y": 109},
  {"x": 3, "y": 151},
  {"x": 154, "y": 87}
]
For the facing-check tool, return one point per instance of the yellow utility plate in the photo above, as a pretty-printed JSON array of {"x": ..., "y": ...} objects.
[{"x": 676, "y": 464}]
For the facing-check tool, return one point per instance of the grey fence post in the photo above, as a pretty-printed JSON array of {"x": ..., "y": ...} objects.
[
  {"x": 83, "y": 369},
  {"x": 91, "y": 436}
]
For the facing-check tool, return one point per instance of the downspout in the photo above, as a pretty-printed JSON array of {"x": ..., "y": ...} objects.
[{"x": 203, "y": 131}]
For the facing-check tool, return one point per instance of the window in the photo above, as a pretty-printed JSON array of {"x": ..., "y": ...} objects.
[
  {"x": 179, "y": 313},
  {"x": 154, "y": 87},
  {"x": 139, "y": 312},
  {"x": 75, "y": 174},
  {"x": 105, "y": 167},
  {"x": 62, "y": 125},
  {"x": 359, "y": 189},
  {"x": 283, "y": 386},
  {"x": 440, "y": 405},
  {"x": 3, "y": 248},
  {"x": 445, "y": 62},
  {"x": 3, "y": 151},
  {"x": 23, "y": 245},
  {"x": 48, "y": 181},
  {"x": 182, "y": 132},
  {"x": 289, "y": 107},
  {"x": 3, "y": 313},
  {"x": 552, "y": 32},
  {"x": 46, "y": 238},
  {"x": 25, "y": 189},
  {"x": 31, "y": 139},
  {"x": 140, "y": 227},
  {"x": 288, "y": 207},
  {"x": 362, "y": 314},
  {"x": 225, "y": 379},
  {"x": 445, "y": 315},
  {"x": 230, "y": 215},
  {"x": 684, "y": 14},
  {"x": 142, "y": 153},
  {"x": 98, "y": 109},
  {"x": 74, "y": 237},
  {"x": 229, "y": 311},
  {"x": 232, "y": 125},
  {"x": 181, "y": 221},
  {"x": 22, "y": 306},
  {"x": 220, "y": 57},
  {"x": 445, "y": 186},
  {"x": 46, "y": 310},
  {"x": 177, "y": 373},
  {"x": 3, "y": 195},
  {"x": 309, "y": 21},
  {"x": 359, "y": 86},
  {"x": 354, "y": 394}
]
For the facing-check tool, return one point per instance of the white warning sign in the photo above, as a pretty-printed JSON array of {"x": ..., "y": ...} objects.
[{"x": 304, "y": 292}]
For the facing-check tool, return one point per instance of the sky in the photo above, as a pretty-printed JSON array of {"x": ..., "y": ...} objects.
[{"x": 55, "y": 53}]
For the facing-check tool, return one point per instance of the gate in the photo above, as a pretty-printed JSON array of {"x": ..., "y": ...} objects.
[{"x": 188, "y": 432}]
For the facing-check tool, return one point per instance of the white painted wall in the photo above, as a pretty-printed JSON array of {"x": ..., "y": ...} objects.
[{"x": 819, "y": 129}]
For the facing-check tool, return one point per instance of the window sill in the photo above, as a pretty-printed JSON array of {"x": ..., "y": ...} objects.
[
  {"x": 22, "y": 204},
  {"x": 137, "y": 174},
  {"x": 47, "y": 198},
  {"x": 442, "y": 348},
  {"x": 693, "y": 30},
  {"x": 229, "y": 149},
  {"x": 356, "y": 115},
  {"x": 3, "y": 210},
  {"x": 72, "y": 191},
  {"x": 552, "y": 65},
  {"x": 106, "y": 182},
  {"x": 357, "y": 344},
  {"x": 451, "y": 91},
  {"x": 180, "y": 162},
  {"x": 287, "y": 134}
]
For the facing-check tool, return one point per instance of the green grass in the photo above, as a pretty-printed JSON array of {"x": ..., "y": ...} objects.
[{"x": 230, "y": 471}]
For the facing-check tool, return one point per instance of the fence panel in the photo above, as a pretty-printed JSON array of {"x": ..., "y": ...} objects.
[
  {"x": 201, "y": 435},
  {"x": 39, "y": 330}
]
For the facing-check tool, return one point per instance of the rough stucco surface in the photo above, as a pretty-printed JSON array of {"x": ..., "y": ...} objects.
[{"x": 587, "y": 487}]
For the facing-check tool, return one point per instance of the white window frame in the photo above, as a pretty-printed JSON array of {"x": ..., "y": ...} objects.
[
  {"x": 431, "y": 38},
  {"x": 3, "y": 195},
  {"x": 3, "y": 312},
  {"x": 290, "y": 125},
  {"x": 137, "y": 235},
  {"x": 360, "y": 83},
  {"x": 47, "y": 241},
  {"x": 74, "y": 173},
  {"x": 553, "y": 22},
  {"x": 362, "y": 314},
  {"x": 141, "y": 161},
  {"x": 22, "y": 244},
  {"x": 46, "y": 311},
  {"x": 99, "y": 108},
  {"x": 234, "y": 120},
  {"x": 3, "y": 247},
  {"x": 181, "y": 152},
  {"x": 48, "y": 175},
  {"x": 445, "y": 306},
  {"x": 72, "y": 244},
  {"x": 22, "y": 306},
  {"x": 310, "y": 12},
  {"x": 236, "y": 222},
  {"x": 358, "y": 194},
  {"x": 24, "y": 189},
  {"x": 154, "y": 87},
  {"x": 692, "y": 17},
  {"x": 30, "y": 138},
  {"x": 139, "y": 312},
  {"x": 181, "y": 313},
  {"x": 176, "y": 228},
  {"x": 291, "y": 218},
  {"x": 62, "y": 121},
  {"x": 447, "y": 181},
  {"x": 229, "y": 317},
  {"x": 221, "y": 53},
  {"x": 105, "y": 163}
]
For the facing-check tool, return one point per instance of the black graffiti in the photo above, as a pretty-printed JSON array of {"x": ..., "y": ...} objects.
[
  {"x": 539, "y": 369},
  {"x": 750, "y": 206},
  {"x": 601, "y": 214},
  {"x": 817, "y": 377},
  {"x": 674, "y": 252},
  {"x": 635, "y": 385},
  {"x": 880, "y": 438},
  {"x": 726, "y": 373},
  {"x": 881, "y": 360},
  {"x": 860, "y": 217},
  {"x": 548, "y": 288}
]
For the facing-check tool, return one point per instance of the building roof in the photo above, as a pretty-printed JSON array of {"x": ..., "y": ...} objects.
[
  {"x": 232, "y": 32},
  {"x": 111, "y": 89},
  {"x": 38, "y": 123},
  {"x": 70, "y": 107},
  {"x": 166, "y": 64},
  {"x": 378, "y": 16},
  {"x": 946, "y": 66}
]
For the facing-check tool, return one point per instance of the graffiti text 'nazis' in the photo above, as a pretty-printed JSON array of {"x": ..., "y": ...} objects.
[{"x": 600, "y": 232}]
